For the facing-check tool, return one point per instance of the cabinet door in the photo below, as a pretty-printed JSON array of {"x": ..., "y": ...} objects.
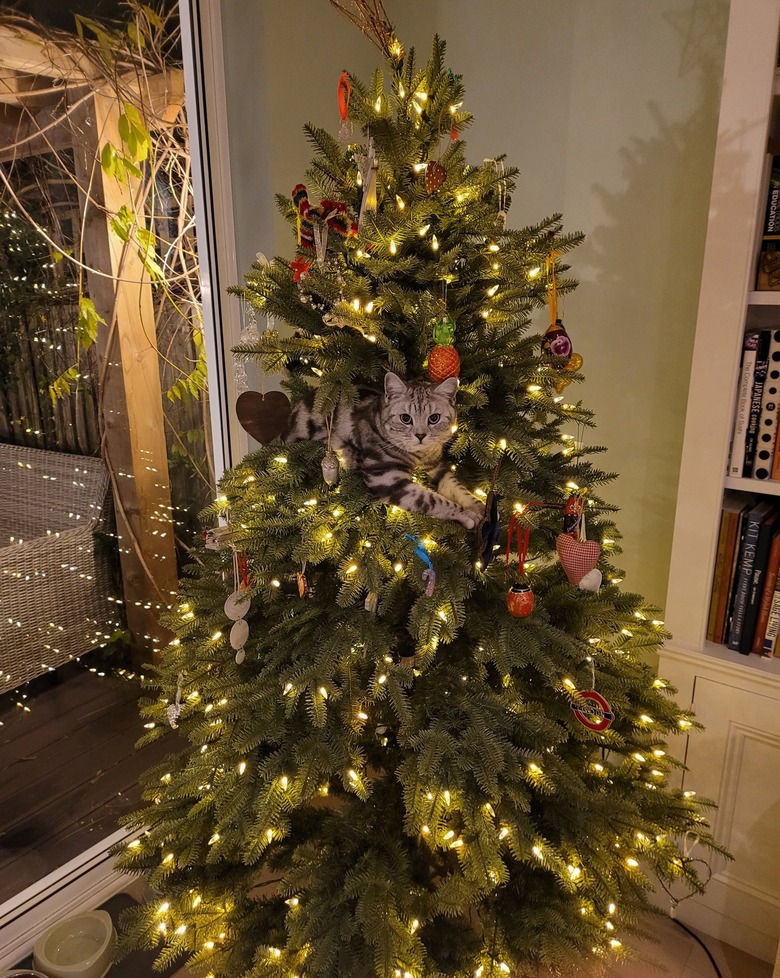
[{"x": 736, "y": 763}]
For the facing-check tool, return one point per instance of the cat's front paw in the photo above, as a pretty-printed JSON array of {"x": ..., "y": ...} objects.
[{"x": 470, "y": 518}]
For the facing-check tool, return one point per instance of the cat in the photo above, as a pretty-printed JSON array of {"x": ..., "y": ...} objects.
[{"x": 385, "y": 437}]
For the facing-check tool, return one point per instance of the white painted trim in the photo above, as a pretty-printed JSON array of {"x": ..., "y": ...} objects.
[
  {"x": 82, "y": 884},
  {"x": 204, "y": 83}
]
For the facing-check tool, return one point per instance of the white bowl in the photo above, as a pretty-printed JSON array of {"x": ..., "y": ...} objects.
[
  {"x": 77, "y": 947},
  {"x": 22, "y": 973}
]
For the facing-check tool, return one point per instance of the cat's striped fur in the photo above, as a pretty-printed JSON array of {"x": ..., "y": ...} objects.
[{"x": 389, "y": 437}]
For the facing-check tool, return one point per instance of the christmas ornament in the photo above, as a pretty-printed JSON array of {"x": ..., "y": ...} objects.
[
  {"x": 330, "y": 467},
  {"x": 264, "y": 416},
  {"x": 443, "y": 360},
  {"x": 328, "y": 215},
  {"x": 591, "y": 581},
  {"x": 372, "y": 602},
  {"x": 556, "y": 343},
  {"x": 237, "y": 605},
  {"x": 435, "y": 175},
  {"x": 368, "y": 174},
  {"x": 174, "y": 709},
  {"x": 579, "y": 556},
  {"x": 489, "y": 529},
  {"x": 520, "y": 597},
  {"x": 239, "y": 633},
  {"x": 520, "y": 600},
  {"x": 217, "y": 537},
  {"x": 501, "y": 192},
  {"x": 302, "y": 582},
  {"x": 344, "y": 91},
  {"x": 429, "y": 574},
  {"x": 593, "y": 711},
  {"x": 573, "y": 508},
  {"x": 300, "y": 267}
]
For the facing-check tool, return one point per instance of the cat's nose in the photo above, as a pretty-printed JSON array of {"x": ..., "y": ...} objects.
[{"x": 420, "y": 437}]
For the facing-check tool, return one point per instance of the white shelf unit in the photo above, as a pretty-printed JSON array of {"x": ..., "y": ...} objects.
[{"x": 736, "y": 761}]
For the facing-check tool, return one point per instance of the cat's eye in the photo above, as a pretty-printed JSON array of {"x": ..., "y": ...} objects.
[
  {"x": 434, "y": 419},
  {"x": 406, "y": 418}
]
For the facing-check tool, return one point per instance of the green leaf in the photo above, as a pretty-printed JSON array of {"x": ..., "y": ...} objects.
[
  {"x": 152, "y": 16},
  {"x": 107, "y": 158},
  {"x": 87, "y": 323},
  {"x": 136, "y": 34}
]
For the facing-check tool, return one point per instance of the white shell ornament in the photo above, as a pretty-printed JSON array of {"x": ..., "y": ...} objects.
[
  {"x": 239, "y": 633},
  {"x": 237, "y": 605},
  {"x": 330, "y": 467},
  {"x": 240, "y": 656}
]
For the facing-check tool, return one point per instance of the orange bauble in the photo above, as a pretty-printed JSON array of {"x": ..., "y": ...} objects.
[{"x": 443, "y": 362}]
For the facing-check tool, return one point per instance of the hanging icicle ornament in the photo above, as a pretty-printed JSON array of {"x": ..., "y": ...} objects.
[
  {"x": 443, "y": 360},
  {"x": 175, "y": 709},
  {"x": 501, "y": 192},
  {"x": 250, "y": 335},
  {"x": 519, "y": 598},
  {"x": 368, "y": 169},
  {"x": 579, "y": 557},
  {"x": 556, "y": 343},
  {"x": 330, "y": 461},
  {"x": 429, "y": 574},
  {"x": 344, "y": 92}
]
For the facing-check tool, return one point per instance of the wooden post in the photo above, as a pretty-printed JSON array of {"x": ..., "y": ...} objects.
[{"x": 132, "y": 410}]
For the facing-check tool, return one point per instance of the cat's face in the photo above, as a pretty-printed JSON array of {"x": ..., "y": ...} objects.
[{"x": 418, "y": 416}]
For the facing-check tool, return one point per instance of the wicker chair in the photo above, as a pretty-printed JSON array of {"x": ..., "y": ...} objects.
[{"x": 55, "y": 584}]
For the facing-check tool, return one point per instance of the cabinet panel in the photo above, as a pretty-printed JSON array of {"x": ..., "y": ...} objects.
[{"x": 736, "y": 762}]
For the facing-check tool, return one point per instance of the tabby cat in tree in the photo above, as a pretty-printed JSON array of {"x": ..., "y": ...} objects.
[{"x": 386, "y": 437}]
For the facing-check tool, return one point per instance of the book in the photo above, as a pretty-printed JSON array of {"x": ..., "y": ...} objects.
[
  {"x": 741, "y": 414},
  {"x": 772, "y": 214},
  {"x": 733, "y": 502},
  {"x": 744, "y": 572},
  {"x": 729, "y": 584},
  {"x": 767, "y": 593},
  {"x": 768, "y": 272},
  {"x": 755, "y": 590},
  {"x": 770, "y": 645},
  {"x": 767, "y": 425},
  {"x": 756, "y": 399}
]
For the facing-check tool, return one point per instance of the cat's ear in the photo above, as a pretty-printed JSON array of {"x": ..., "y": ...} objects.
[
  {"x": 394, "y": 385},
  {"x": 448, "y": 388}
]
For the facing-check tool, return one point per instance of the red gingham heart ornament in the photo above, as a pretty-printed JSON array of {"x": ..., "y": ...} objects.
[{"x": 578, "y": 557}]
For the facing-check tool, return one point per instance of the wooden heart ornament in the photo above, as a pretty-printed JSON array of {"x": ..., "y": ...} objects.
[
  {"x": 578, "y": 557},
  {"x": 264, "y": 416}
]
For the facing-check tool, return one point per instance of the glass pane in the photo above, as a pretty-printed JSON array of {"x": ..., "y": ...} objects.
[{"x": 105, "y": 445}]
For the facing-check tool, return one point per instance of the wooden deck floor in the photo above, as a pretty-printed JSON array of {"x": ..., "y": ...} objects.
[{"x": 68, "y": 770}]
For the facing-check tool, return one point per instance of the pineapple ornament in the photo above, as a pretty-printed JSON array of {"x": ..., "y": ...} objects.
[{"x": 443, "y": 360}]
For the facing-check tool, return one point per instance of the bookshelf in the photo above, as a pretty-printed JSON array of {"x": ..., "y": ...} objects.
[{"x": 736, "y": 760}]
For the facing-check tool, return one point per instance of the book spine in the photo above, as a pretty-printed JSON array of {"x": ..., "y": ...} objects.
[
  {"x": 742, "y": 582},
  {"x": 717, "y": 576},
  {"x": 767, "y": 593},
  {"x": 767, "y": 425},
  {"x": 743, "y": 404},
  {"x": 756, "y": 399},
  {"x": 756, "y": 588},
  {"x": 772, "y": 215},
  {"x": 772, "y": 627}
]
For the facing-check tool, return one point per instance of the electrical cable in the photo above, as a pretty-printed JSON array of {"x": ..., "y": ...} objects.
[{"x": 701, "y": 942}]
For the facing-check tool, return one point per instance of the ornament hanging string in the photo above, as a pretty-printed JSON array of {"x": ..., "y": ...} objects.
[{"x": 552, "y": 285}]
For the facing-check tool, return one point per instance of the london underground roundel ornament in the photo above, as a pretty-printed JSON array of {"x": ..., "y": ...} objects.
[{"x": 593, "y": 711}]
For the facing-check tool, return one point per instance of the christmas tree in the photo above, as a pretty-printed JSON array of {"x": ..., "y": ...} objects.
[{"x": 404, "y": 751}]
